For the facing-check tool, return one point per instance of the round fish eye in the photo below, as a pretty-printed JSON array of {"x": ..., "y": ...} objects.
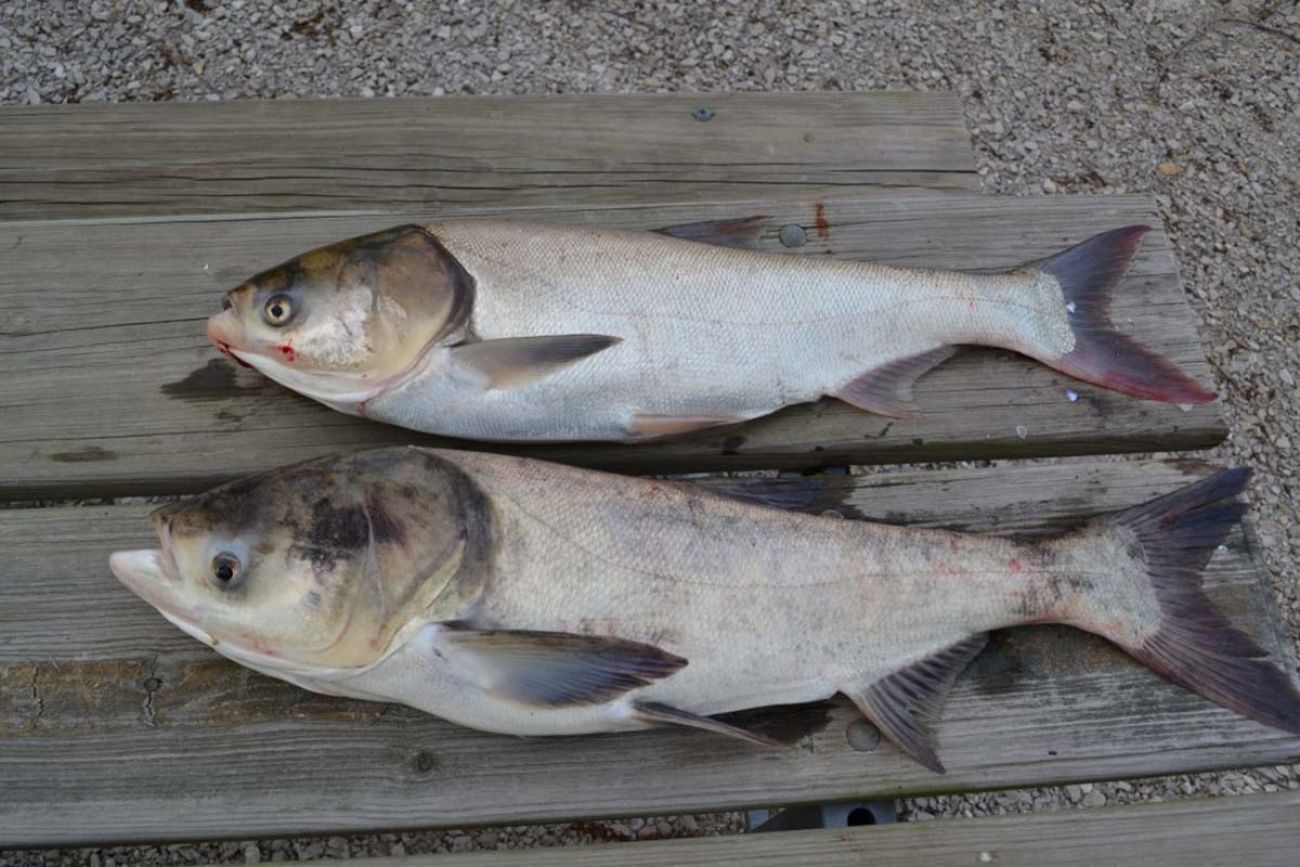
[
  {"x": 225, "y": 568},
  {"x": 278, "y": 310}
]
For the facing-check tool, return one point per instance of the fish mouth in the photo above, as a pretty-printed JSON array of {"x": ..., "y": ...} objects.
[
  {"x": 224, "y": 331},
  {"x": 148, "y": 573},
  {"x": 151, "y": 573}
]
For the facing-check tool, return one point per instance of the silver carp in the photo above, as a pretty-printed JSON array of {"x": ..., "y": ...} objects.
[
  {"x": 510, "y": 331},
  {"x": 529, "y": 598}
]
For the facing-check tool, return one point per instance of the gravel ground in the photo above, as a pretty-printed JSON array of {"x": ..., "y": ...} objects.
[{"x": 1194, "y": 101}]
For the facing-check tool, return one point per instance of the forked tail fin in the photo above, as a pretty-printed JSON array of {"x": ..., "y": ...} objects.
[
  {"x": 1170, "y": 624},
  {"x": 1087, "y": 274}
]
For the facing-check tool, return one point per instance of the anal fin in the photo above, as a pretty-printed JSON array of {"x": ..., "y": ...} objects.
[
  {"x": 905, "y": 705},
  {"x": 887, "y": 389},
  {"x": 658, "y": 712}
]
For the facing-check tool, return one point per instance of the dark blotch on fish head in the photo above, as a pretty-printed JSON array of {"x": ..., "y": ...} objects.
[{"x": 323, "y": 561}]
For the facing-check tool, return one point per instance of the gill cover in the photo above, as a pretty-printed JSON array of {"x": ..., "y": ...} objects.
[
  {"x": 365, "y": 308},
  {"x": 335, "y": 556}
]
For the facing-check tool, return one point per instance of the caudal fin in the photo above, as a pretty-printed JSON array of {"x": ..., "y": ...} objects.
[
  {"x": 1168, "y": 542},
  {"x": 1087, "y": 274}
]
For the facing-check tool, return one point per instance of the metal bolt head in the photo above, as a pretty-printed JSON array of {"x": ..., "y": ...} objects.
[
  {"x": 862, "y": 736},
  {"x": 793, "y": 235},
  {"x": 703, "y": 114}
]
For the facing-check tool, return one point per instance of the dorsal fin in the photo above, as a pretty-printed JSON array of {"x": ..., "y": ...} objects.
[
  {"x": 905, "y": 705},
  {"x": 887, "y": 389},
  {"x": 742, "y": 232}
]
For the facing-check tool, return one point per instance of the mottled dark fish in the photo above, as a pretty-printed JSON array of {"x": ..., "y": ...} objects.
[{"x": 525, "y": 597}]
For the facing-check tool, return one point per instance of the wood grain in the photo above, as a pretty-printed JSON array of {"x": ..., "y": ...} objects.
[
  {"x": 115, "y": 727},
  {"x": 404, "y": 154},
  {"x": 109, "y": 386},
  {"x": 1259, "y": 830}
]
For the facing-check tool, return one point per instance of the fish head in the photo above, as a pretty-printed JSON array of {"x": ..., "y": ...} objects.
[
  {"x": 341, "y": 322},
  {"x": 320, "y": 564}
]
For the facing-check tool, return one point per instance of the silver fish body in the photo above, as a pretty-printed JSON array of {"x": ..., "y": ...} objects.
[
  {"x": 550, "y": 600},
  {"x": 573, "y": 333}
]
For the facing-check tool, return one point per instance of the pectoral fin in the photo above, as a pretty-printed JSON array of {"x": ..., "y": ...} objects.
[
  {"x": 905, "y": 705},
  {"x": 551, "y": 669},
  {"x": 513, "y": 361}
]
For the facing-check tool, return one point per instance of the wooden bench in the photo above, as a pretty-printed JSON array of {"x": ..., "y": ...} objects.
[
  {"x": 119, "y": 226},
  {"x": 1255, "y": 830}
]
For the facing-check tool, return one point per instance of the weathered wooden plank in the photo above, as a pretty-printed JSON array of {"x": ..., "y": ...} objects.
[
  {"x": 250, "y": 155},
  {"x": 114, "y": 726},
  {"x": 1258, "y": 830},
  {"x": 108, "y": 384}
]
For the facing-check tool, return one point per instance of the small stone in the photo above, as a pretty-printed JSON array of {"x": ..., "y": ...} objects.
[
  {"x": 1074, "y": 793},
  {"x": 1094, "y": 799},
  {"x": 1049, "y": 186},
  {"x": 252, "y": 854},
  {"x": 1169, "y": 170}
]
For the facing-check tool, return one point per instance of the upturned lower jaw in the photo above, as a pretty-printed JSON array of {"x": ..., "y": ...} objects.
[{"x": 142, "y": 571}]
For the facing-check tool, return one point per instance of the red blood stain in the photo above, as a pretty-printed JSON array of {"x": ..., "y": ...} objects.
[
  {"x": 823, "y": 227},
  {"x": 287, "y": 351},
  {"x": 1016, "y": 565},
  {"x": 967, "y": 296}
]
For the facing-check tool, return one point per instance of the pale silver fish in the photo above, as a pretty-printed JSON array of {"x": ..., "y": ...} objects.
[
  {"x": 497, "y": 330},
  {"x": 529, "y": 598}
]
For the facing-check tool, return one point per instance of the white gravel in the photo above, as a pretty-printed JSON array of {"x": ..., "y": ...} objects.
[{"x": 1194, "y": 101}]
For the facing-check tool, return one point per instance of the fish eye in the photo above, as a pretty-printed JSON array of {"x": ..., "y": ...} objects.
[
  {"x": 225, "y": 568},
  {"x": 278, "y": 310}
]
